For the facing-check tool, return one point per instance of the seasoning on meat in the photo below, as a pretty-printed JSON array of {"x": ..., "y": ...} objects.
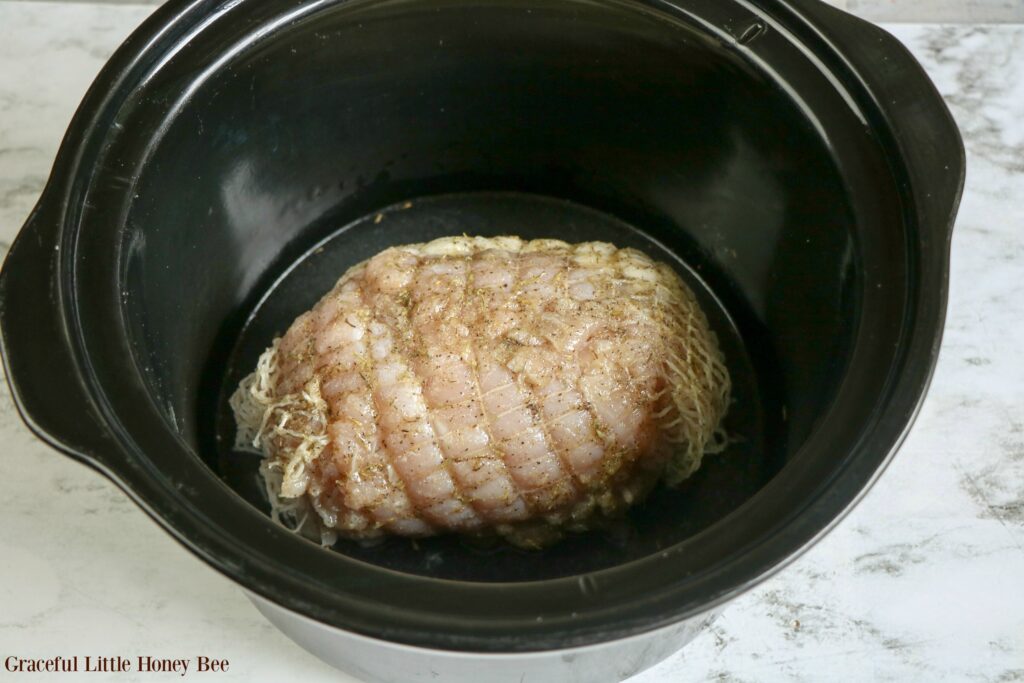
[{"x": 485, "y": 385}]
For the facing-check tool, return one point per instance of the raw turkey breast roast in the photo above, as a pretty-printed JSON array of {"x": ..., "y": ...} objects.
[{"x": 485, "y": 385}]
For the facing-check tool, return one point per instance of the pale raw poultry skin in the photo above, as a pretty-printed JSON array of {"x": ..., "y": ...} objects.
[{"x": 487, "y": 385}]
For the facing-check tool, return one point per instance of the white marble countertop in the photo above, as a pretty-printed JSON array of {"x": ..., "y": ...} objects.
[{"x": 923, "y": 581}]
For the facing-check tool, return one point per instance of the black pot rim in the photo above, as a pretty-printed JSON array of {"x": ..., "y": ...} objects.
[{"x": 503, "y": 617}]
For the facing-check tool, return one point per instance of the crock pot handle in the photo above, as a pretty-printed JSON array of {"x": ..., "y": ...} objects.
[
  {"x": 44, "y": 380},
  {"x": 924, "y": 128}
]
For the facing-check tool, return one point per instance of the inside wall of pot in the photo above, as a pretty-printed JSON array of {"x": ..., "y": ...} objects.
[{"x": 570, "y": 120}]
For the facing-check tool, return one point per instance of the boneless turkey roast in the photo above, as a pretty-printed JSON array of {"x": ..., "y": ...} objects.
[{"x": 485, "y": 385}]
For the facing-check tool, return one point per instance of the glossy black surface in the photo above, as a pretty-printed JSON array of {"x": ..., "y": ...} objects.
[
  {"x": 793, "y": 162},
  {"x": 368, "y": 106}
]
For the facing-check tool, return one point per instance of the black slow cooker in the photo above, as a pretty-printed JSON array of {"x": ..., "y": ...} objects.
[{"x": 231, "y": 160}]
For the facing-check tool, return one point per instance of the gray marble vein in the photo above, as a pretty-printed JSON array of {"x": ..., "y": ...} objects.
[
  {"x": 963, "y": 11},
  {"x": 921, "y": 582}
]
